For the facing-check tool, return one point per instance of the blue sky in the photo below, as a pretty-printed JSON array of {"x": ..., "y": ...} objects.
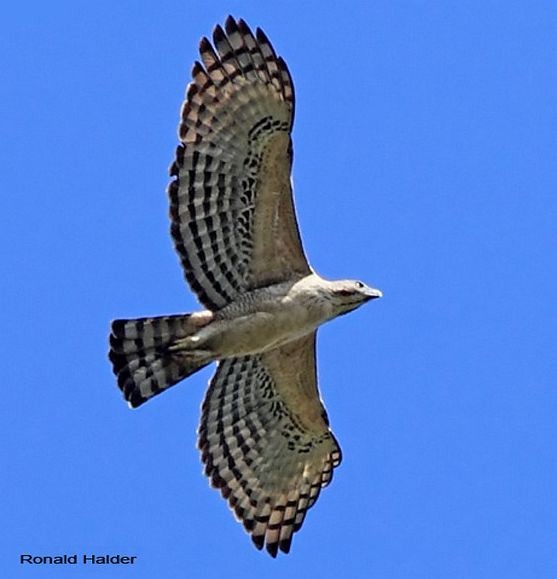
[{"x": 425, "y": 165}]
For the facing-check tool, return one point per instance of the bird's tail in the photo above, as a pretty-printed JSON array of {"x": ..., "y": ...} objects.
[{"x": 143, "y": 359}]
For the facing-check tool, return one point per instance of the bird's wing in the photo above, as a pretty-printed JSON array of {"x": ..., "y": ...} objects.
[
  {"x": 231, "y": 208},
  {"x": 265, "y": 440}
]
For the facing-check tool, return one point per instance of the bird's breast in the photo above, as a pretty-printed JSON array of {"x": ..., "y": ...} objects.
[{"x": 262, "y": 330}]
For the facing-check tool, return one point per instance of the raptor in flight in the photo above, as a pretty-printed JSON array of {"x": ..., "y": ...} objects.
[{"x": 264, "y": 435}]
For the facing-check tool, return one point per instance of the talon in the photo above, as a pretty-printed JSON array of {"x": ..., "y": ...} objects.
[{"x": 184, "y": 344}]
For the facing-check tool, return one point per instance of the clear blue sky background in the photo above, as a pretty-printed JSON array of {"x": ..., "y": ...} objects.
[{"x": 425, "y": 164}]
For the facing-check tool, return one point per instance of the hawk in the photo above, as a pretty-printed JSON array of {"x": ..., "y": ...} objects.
[{"x": 264, "y": 434}]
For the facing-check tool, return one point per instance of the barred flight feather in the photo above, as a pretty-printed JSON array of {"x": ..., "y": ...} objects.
[
  {"x": 240, "y": 100},
  {"x": 140, "y": 357},
  {"x": 265, "y": 463},
  {"x": 264, "y": 435}
]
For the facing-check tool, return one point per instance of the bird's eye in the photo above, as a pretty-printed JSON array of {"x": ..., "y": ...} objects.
[{"x": 359, "y": 285}]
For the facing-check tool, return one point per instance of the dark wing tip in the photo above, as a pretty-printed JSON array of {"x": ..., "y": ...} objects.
[
  {"x": 263, "y": 39},
  {"x": 230, "y": 24},
  {"x": 196, "y": 69},
  {"x": 258, "y": 541},
  {"x": 204, "y": 45},
  {"x": 218, "y": 34},
  {"x": 244, "y": 28},
  {"x": 174, "y": 169},
  {"x": 284, "y": 67},
  {"x": 191, "y": 91},
  {"x": 272, "y": 549},
  {"x": 285, "y": 545}
]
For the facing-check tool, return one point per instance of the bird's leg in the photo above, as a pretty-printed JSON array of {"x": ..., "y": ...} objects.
[
  {"x": 188, "y": 349},
  {"x": 197, "y": 321},
  {"x": 188, "y": 343}
]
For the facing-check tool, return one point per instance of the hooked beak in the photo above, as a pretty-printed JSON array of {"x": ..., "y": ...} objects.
[{"x": 372, "y": 293}]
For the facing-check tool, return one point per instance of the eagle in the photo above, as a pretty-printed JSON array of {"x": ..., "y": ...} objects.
[{"x": 264, "y": 435}]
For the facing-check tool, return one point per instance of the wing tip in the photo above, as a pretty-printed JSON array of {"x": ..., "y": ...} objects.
[
  {"x": 272, "y": 549},
  {"x": 285, "y": 544},
  {"x": 218, "y": 34},
  {"x": 258, "y": 541},
  {"x": 230, "y": 24}
]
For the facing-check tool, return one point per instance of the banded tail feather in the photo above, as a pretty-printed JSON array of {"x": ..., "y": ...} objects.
[{"x": 142, "y": 358}]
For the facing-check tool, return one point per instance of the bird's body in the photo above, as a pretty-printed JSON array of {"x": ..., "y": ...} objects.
[
  {"x": 264, "y": 319},
  {"x": 260, "y": 320},
  {"x": 264, "y": 434}
]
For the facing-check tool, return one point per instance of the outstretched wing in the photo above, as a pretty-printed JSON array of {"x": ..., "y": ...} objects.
[
  {"x": 231, "y": 207},
  {"x": 265, "y": 440}
]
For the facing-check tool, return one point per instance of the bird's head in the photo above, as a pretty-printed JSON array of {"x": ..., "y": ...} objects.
[{"x": 347, "y": 295}]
